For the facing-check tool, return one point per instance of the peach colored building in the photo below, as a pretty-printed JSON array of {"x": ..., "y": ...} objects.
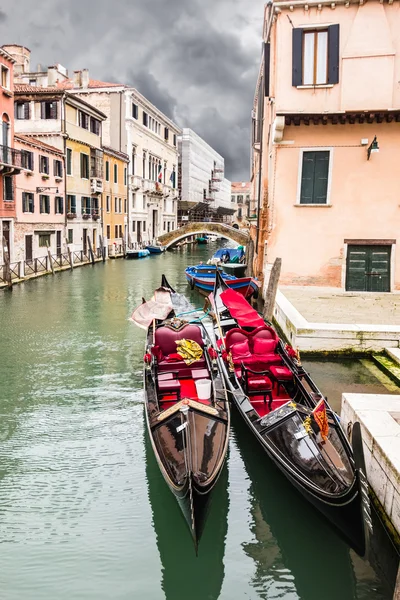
[
  {"x": 39, "y": 198},
  {"x": 326, "y": 131},
  {"x": 240, "y": 198}
]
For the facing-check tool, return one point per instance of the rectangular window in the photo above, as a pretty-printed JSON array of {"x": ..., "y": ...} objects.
[
  {"x": 164, "y": 226},
  {"x": 125, "y": 176},
  {"x": 125, "y": 205},
  {"x": 71, "y": 204},
  {"x": 115, "y": 205},
  {"x": 144, "y": 225},
  {"x": 86, "y": 205},
  {"x": 108, "y": 204},
  {"x": 144, "y": 202},
  {"x": 44, "y": 203},
  {"x": 48, "y": 110},
  {"x": 135, "y": 111},
  {"x": 120, "y": 205},
  {"x": 8, "y": 188},
  {"x": 133, "y": 160},
  {"x": 120, "y": 231},
  {"x": 108, "y": 231},
  {"x": 83, "y": 120},
  {"x": 5, "y": 77},
  {"x": 69, "y": 161},
  {"x": 70, "y": 236},
  {"x": 28, "y": 202},
  {"x": 22, "y": 110},
  {"x": 107, "y": 170},
  {"x": 116, "y": 231},
  {"x": 133, "y": 226},
  {"x": 59, "y": 205},
  {"x": 84, "y": 166},
  {"x": 115, "y": 173},
  {"x": 315, "y": 56},
  {"x": 133, "y": 200},
  {"x": 174, "y": 139},
  {"x": 166, "y": 133},
  {"x": 58, "y": 168},
  {"x": 314, "y": 177},
  {"x": 44, "y": 240},
  {"x": 27, "y": 159},
  {"x": 95, "y": 126},
  {"x": 44, "y": 165},
  {"x": 145, "y": 119}
]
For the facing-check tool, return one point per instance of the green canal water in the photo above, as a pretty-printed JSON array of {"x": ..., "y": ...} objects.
[{"x": 84, "y": 511}]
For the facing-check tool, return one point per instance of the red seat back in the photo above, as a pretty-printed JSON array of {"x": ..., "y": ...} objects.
[
  {"x": 166, "y": 338},
  {"x": 235, "y": 336}
]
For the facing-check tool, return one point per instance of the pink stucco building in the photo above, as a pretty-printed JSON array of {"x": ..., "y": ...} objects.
[
  {"x": 326, "y": 131},
  {"x": 40, "y": 193}
]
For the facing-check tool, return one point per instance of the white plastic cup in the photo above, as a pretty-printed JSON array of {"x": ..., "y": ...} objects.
[{"x": 203, "y": 387}]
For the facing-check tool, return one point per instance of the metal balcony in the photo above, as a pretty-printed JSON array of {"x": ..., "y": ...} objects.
[{"x": 10, "y": 161}]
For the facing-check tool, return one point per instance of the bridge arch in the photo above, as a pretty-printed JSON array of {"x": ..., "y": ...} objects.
[{"x": 239, "y": 236}]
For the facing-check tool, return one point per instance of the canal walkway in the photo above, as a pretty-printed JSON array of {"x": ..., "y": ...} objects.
[{"x": 327, "y": 319}]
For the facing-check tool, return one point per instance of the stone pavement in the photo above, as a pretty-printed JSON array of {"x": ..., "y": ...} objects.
[{"x": 330, "y": 305}]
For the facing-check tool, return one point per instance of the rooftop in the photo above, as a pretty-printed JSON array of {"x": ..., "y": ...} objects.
[{"x": 31, "y": 140}]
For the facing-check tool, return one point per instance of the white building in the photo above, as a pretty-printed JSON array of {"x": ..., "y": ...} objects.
[{"x": 201, "y": 172}]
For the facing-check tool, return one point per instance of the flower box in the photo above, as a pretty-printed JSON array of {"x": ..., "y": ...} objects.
[
  {"x": 86, "y": 216},
  {"x": 58, "y": 179},
  {"x": 96, "y": 217},
  {"x": 45, "y": 177},
  {"x": 71, "y": 215}
]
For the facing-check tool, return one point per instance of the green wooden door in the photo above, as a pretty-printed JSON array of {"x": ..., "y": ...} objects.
[{"x": 368, "y": 269}]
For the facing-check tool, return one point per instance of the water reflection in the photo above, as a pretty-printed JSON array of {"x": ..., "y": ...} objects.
[
  {"x": 183, "y": 574},
  {"x": 294, "y": 547}
]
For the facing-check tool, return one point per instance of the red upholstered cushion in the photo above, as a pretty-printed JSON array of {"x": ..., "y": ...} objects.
[
  {"x": 240, "y": 350},
  {"x": 174, "y": 357},
  {"x": 260, "y": 382},
  {"x": 234, "y": 336},
  {"x": 281, "y": 373},
  {"x": 263, "y": 360},
  {"x": 166, "y": 338},
  {"x": 263, "y": 346}
]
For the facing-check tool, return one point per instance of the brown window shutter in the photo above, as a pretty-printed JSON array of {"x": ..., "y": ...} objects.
[
  {"x": 53, "y": 110},
  {"x": 267, "y": 54},
  {"x": 333, "y": 54},
  {"x": 297, "y": 56},
  {"x": 43, "y": 110},
  {"x": 27, "y": 110}
]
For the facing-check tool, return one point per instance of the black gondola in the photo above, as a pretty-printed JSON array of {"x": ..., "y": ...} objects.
[
  {"x": 189, "y": 434},
  {"x": 281, "y": 404}
]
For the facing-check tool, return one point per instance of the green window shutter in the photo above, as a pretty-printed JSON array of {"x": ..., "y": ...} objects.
[
  {"x": 314, "y": 177},
  {"x": 24, "y": 203},
  {"x": 307, "y": 178},
  {"x": 321, "y": 177}
]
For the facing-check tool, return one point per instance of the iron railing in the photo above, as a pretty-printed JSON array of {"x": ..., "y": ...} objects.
[{"x": 10, "y": 156}]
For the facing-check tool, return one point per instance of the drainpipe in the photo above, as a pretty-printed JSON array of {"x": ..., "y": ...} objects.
[{"x": 64, "y": 127}]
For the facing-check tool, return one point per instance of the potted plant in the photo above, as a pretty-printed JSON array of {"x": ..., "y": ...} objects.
[
  {"x": 71, "y": 215},
  {"x": 86, "y": 216},
  {"x": 45, "y": 176}
]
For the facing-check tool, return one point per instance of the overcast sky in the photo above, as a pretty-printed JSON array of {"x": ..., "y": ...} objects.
[{"x": 196, "y": 60}]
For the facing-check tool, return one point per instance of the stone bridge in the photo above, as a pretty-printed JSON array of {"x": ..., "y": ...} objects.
[{"x": 240, "y": 236}]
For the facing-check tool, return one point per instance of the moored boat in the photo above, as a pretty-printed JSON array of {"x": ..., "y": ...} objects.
[
  {"x": 228, "y": 256},
  {"x": 202, "y": 278},
  {"x": 290, "y": 418},
  {"x": 186, "y": 406},
  {"x": 142, "y": 253},
  {"x": 155, "y": 249},
  {"x": 201, "y": 240}
]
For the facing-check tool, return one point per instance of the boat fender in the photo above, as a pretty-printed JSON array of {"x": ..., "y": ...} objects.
[{"x": 192, "y": 283}]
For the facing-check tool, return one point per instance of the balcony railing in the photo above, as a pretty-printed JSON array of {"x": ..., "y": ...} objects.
[
  {"x": 10, "y": 160},
  {"x": 136, "y": 182}
]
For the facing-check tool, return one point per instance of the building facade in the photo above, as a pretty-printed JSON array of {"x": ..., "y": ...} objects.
[
  {"x": 201, "y": 172},
  {"x": 240, "y": 199},
  {"x": 10, "y": 157},
  {"x": 39, "y": 200},
  {"x": 69, "y": 124},
  {"x": 115, "y": 196},
  {"x": 326, "y": 134}
]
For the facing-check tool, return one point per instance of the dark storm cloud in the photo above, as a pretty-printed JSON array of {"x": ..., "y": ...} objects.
[{"x": 196, "y": 60}]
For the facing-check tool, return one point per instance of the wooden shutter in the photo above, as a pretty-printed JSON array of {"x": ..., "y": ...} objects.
[
  {"x": 267, "y": 60},
  {"x": 297, "y": 56},
  {"x": 24, "y": 202},
  {"x": 321, "y": 177},
  {"x": 333, "y": 54},
  {"x": 53, "y": 110},
  {"x": 307, "y": 178},
  {"x": 33, "y": 203},
  {"x": 27, "y": 110},
  {"x": 55, "y": 168},
  {"x": 82, "y": 166}
]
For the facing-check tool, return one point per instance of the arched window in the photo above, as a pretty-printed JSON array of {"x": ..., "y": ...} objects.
[{"x": 5, "y": 130}]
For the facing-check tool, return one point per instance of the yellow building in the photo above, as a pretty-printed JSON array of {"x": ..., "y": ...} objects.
[{"x": 115, "y": 194}]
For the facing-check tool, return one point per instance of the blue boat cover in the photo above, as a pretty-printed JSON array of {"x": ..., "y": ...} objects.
[{"x": 235, "y": 254}]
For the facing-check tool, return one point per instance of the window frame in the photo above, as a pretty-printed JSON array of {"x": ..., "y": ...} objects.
[
  {"x": 315, "y": 33},
  {"x": 82, "y": 154},
  {"x": 71, "y": 205},
  {"x": 48, "y": 240},
  {"x": 44, "y": 163},
  {"x": 26, "y": 110},
  {"x": 332, "y": 55},
  {"x": 69, "y": 162},
  {"x": 58, "y": 205},
  {"x": 300, "y": 175},
  {"x": 27, "y": 159},
  {"x": 5, "y": 70},
  {"x": 46, "y": 199},
  {"x": 115, "y": 173},
  {"x": 26, "y": 201}
]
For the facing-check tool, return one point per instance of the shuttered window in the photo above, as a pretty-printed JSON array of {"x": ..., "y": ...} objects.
[
  {"x": 59, "y": 205},
  {"x": 84, "y": 166},
  {"x": 44, "y": 202},
  {"x": 22, "y": 110},
  {"x": 28, "y": 205},
  {"x": 315, "y": 56},
  {"x": 48, "y": 110},
  {"x": 314, "y": 177}
]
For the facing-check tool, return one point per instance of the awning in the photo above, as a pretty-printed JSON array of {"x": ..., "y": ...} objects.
[{"x": 240, "y": 309}]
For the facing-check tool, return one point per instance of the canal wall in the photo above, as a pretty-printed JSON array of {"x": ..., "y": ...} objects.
[
  {"x": 334, "y": 337},
  {"x": 379, "y": 417}
]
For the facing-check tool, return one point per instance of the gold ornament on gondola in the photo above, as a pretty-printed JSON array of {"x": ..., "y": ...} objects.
[{"x": 307, "y": 425}]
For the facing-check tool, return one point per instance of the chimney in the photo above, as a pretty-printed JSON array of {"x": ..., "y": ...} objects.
[
  {"x": 52, "y": 76},
  {"x": 85, "y": 78},
  {"x": 77, "y": 79}
]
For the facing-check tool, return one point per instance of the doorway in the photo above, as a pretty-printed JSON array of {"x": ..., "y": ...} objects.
[
  {"x": 368, "y": 268},
  {"x": 155, "y": 224},
  {"x": 28, "y": 248},
  {"x": 139, "y": 231},
  {"x": 58, "y": 243},
  {"x": 84, "y": 241}
]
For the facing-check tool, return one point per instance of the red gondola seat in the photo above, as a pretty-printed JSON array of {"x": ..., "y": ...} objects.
[
  {"x": 165, "y": 347},
  {"x": 257, "y": 383}
]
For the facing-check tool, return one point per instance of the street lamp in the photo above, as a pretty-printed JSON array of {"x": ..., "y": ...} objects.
[{"x": 373, "y": 147}]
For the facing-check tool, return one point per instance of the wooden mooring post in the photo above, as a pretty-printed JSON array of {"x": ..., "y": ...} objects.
[
  {"x": 123, "y": 246},
  {"x": 270, "y": 296},
  {"x": 7, "y": 268},
  {"x": 50, "y": 257},
  {"x": 89, "y": 241},
  {"x": 102, "y": 248}
]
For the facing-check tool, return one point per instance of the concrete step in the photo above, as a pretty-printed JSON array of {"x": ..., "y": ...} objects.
[
  {"x": 389, "y": 366},
  {"x": 394, "y": 354}
]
